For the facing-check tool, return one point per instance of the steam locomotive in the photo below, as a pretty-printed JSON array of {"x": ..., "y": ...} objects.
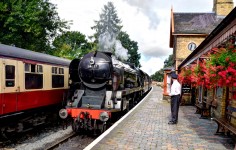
[{"x": 100, "y": 86}]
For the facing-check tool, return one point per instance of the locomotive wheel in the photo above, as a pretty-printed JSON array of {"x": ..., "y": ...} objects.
[
  {"x": 104, "y": 127},
  {"x": 79, "y": 125},
  {"x": 75, "y": 126},
  {"x": 8, "y": 135},
  {"x": 95, "y": 127}
]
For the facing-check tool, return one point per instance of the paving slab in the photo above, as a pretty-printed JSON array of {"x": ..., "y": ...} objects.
[{"x": 146, "y": 128}]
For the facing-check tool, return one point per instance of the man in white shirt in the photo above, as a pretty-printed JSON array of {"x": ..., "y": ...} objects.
[{"x": 175, "y": 99}]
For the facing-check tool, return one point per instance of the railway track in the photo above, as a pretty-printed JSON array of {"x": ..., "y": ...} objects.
[{"x": 57, "y": 143}]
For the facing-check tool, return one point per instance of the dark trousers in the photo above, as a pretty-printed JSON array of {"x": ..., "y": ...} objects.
[{"x": 175, "y": 100}]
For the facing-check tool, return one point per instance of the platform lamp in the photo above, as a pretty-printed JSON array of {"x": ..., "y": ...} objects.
[{"x": 165, "y": 63}]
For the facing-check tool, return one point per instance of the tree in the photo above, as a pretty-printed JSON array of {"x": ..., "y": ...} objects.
[
  {"x": 71, "y": 44},
  {"x": 169, "y": 61},
  {"x": 29, "y": 24},
  {"x": 109, "y": 22},
  {"x": 108, "y": 31},
  {"x": 132, "y": 48},
  {"x": 158, "y": 76}
]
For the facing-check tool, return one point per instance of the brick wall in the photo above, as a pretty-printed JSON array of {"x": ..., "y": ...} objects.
[
  {"x": 210, "y": 96},
  {"x": 181, "y": 47},
  {"x": 219, "y": 111},
  {"x": 223, "y": 7}
]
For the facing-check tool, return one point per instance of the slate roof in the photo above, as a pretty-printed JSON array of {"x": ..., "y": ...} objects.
[
  {"x": 195, "y": 23},
  {"x": 216, "y": 31}
]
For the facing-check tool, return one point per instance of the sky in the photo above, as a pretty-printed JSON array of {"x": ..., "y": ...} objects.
[{"x": 145, "y": 21}]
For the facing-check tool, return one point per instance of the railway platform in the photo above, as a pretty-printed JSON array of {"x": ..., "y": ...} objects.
[{"x": 146, "y": 128}]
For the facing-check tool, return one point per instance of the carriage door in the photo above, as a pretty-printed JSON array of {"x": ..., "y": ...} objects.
[{"x": 10, "y": 85}]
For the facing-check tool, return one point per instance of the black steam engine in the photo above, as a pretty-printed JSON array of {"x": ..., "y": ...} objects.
[{"x": 100, "y": 85}]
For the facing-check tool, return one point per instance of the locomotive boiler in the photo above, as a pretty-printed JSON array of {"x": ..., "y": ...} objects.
[{"x": 100, "y": 86}]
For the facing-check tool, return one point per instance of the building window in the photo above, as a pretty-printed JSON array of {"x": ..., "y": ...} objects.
[
  {"x": 10, "y": 75},
  {"x": 57, "y": 77},
  {"x": 33, "y": 76}
]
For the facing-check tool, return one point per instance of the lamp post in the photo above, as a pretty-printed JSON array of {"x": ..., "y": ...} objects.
[{"x": 165, "y": 63}]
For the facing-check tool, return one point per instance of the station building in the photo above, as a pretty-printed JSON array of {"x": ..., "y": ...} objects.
[
  {"x": 212, "y": 68},
  {"x": 187, "y": 32}
]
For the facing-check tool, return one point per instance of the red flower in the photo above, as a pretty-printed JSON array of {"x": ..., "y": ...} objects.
[
  {"x": 234, "y": 84},
  {"x": 227, "y": 59},
  {"x": 231, "y": 64}
]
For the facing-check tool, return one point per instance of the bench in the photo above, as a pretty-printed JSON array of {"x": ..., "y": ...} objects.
[
  {"x": 224, "y": 123},
  {"x": 203, "y": 110}
]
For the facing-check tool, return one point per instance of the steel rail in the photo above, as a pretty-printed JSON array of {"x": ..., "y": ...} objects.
[{"x": 53, "y": 145}]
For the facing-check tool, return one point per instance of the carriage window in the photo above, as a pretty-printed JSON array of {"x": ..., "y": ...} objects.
[
  {"x": 33, "y": 81},
  {"x": 27, "y": 67},
  {"x": 61, "y": 71},
  {"x": 33, "y": 76},
  {"x": 32, "y": 68},
  {"x": 54, "y": 70},
  {"x": 10, "y": 75},
  {"x": 39, "y": 68},
  {"x": 57, "y": 81}
]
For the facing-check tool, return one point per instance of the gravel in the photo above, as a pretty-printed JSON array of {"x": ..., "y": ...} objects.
[{"x": 40, "y": 143}]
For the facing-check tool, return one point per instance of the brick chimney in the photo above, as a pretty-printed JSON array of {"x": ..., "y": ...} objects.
[{"x": 223, "y": 7}]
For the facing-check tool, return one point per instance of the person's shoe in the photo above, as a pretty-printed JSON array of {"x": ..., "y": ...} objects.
[{"x": 171, "y": 122}]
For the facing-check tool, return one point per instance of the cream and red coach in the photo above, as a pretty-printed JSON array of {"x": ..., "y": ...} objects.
[{"x": 30, "y": 83}]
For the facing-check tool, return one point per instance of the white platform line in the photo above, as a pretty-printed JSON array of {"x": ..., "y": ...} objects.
[{"x": 98, "y": 139}]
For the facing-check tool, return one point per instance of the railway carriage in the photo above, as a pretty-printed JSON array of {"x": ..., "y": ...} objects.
[{"x": 31, "y": 85}]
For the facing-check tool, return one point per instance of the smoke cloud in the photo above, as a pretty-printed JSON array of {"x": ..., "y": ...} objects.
[{"x": 107, "y": 43}]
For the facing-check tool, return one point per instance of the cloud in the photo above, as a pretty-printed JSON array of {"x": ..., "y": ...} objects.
[
  {"x": 156, "y": 51},
  {"x": 146, "y": 21},
  {"x": 194, "y": 6},
  {"x": 152, "y": 65},
  {"x": 148, "y": 9}
]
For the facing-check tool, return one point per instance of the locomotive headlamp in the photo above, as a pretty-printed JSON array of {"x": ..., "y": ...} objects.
[
  {"x": 69, "y": 103},
  {"x": 88, "y": 105},
  {"x": 104, "y": 116},
  {"x": 70, "y": 81},
  {"x": 91, "y": 61},
  {"x": 63, "y": 113}
]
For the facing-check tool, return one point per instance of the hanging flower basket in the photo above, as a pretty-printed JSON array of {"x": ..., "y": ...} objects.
[{"x": 219, "y": 70}]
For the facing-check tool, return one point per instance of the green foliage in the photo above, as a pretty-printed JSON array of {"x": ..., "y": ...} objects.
[
  {"x": 132, "y": 48},
  {"x": 169, "y": 61},
  {"x": 71, "y": 44},
  {"x": 109, "y": 22},
  {"x": 158, "y": 76},
  {"x": 29, "y": 24},
  {"x": 224, "y": 56}
]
